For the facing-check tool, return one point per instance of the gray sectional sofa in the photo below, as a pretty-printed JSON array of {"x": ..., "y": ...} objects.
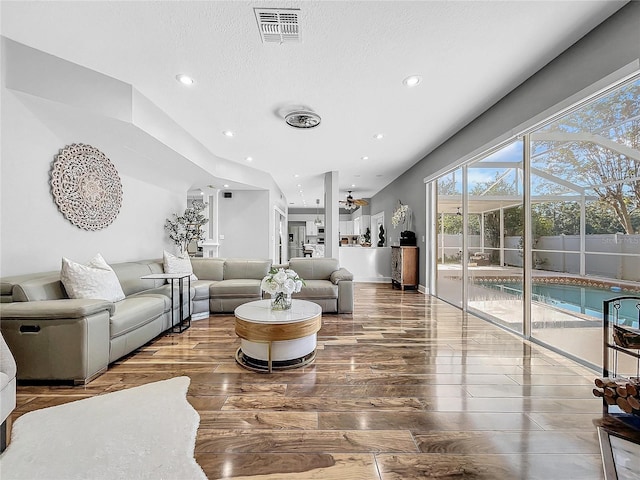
[
  {"x": 326, "y": 283},
  {"x": 53, "y": 337}
]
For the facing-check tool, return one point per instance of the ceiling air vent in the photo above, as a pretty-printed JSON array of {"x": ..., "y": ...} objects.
[{"x": 278, "y": 25}]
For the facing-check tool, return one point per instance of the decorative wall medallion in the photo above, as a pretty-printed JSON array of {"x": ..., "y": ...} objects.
[{"x": 86, "y": 186}]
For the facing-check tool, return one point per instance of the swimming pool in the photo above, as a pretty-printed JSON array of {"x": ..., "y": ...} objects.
[{"x": 573, "y": 298}]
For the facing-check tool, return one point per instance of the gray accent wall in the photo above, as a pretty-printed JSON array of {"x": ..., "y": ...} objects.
[{"x": 604, "y": 55}]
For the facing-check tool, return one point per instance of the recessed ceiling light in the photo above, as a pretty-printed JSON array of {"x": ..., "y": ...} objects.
[
  {"x": 226, "y": 185},
  {"x": 296, "y": 175},
  {"x": 227, "y": 133},
  {"x": 353, "y": 185},
  {"x": 378, "y": 136},
  {"x": 185, "y": 79},
  {"x": 249, "y": 159},
  {"x": 412, "y": 81},
  {"x": 365, "y": 158}
]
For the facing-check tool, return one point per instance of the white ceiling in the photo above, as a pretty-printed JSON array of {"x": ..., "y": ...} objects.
[{"x": 348, "y": 68}]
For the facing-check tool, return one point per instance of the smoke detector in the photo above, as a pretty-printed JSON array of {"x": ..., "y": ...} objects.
[
  {"x": 278, "y": 25},
  {"x": 302, "y": 119}
]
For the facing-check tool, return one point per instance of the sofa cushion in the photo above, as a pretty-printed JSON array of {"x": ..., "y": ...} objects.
[
  {"x": 314, "y": 268},
  {"x": 96, "y": 279},
  {"x": 155, "y": 266},
  {"x": 133, "y": 312},
  {"x": 208, "y": 268},
  {"x": 246, "y": 269},
  {"x": 177, "y": 264},
  {"x": 317, "y": 289},
  {"x": 39, "y": 287},
  {"x": 129, "y": 274},
  {"x": 164, "y": 292},
  {"x": 237, "y": 288},
  {"x": 201, "y": 289},
  {"x": 5, "y": 288}
]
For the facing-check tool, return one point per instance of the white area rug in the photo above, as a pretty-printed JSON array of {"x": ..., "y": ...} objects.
[{"x": 146, "y": 432}]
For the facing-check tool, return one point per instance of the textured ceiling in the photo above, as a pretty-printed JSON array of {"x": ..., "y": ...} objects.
[{"x": 348, "y": 68}]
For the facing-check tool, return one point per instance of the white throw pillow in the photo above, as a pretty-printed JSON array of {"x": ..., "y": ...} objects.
[
  {"x": 178, "y": 264},
  {"x": 94, "y": 280}
]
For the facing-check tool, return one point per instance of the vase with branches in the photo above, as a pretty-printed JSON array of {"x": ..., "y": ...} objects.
[{"x": 187, "y": 228}]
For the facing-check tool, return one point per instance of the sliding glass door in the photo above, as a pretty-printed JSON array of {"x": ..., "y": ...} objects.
[
  {"x": 585, "y": 177},
  {"x": 450, "y": 238},
  {"x": 536, "y": 233},
  {"x": 495, "y": 230}
]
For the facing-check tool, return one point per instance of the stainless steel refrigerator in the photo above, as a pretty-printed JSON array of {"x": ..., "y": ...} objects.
[{"x": 296, "y": 240}]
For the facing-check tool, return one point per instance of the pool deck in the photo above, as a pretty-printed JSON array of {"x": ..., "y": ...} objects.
[{"x": 572, "y": 332}]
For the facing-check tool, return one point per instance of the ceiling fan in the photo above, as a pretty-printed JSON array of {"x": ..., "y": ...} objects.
[{"x": 352, "y": 203}]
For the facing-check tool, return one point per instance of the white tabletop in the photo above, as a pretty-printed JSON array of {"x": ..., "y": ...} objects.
[
  {"x": 260, "y": 311},
  {"x": 165, "y": 276}
]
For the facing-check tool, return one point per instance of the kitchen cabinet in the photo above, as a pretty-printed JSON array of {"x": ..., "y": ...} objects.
[
  {"x": 312, "y": 228},
  {"x": 356, "y": 226},
  {"x": 404, "y": 267},
  {"x": 346, "y": 227}
]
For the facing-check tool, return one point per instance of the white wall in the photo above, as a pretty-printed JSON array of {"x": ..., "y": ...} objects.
[
  {"x": 244, "y": 222},
  {"x": 33, "y": 233},
  {"x": 158, "y": 162}
]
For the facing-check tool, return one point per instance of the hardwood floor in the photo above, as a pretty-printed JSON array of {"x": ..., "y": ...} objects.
[{"x": 408, "y": 387}]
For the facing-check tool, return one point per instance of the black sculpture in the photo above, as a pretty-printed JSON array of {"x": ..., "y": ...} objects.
[{"x": 381, "y": 237}]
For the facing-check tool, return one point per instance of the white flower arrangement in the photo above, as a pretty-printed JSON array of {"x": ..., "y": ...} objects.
[
  {"x": 280, "y": 283},
  {"x": 400, "y": 215}
]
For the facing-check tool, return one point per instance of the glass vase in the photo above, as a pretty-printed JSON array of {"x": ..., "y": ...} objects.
[{"x": 281, "y": 301}]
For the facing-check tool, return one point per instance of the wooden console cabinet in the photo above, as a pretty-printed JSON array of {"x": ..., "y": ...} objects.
[{"x": 404, "y": 267}]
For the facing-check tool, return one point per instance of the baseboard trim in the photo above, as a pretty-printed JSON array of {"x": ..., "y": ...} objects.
[
  {"x": 199, "y": 316},
  {"x": 372, "y": 279}
]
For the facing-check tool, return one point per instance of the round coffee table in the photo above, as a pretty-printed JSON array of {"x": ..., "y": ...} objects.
[{"x": 277, "y": 339}]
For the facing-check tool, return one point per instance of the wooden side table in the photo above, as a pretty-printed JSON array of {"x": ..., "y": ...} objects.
[{"x": 404, "y": 267}]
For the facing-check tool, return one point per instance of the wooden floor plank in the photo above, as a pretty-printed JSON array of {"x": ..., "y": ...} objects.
[{"x": 406, "y": 387}]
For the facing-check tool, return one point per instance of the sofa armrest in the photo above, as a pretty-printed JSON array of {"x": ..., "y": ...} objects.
[
  {"x": 66, "y": 339},
  {"x": 54, "y": 309},
  {"x": 340, "y": 275}
]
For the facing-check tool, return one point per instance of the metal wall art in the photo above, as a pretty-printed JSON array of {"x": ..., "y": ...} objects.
[{"x": 86, "y": 186}]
